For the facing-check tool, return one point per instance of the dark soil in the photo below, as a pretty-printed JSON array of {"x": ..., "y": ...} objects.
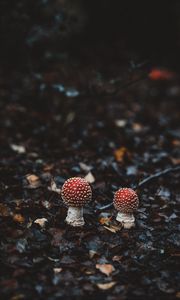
[{"x": 67, "y": 114}]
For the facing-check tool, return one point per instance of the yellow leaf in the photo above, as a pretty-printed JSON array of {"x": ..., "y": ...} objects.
[
  {"x": 121, "y": 153},
  {"x": 105, "y": 220}
]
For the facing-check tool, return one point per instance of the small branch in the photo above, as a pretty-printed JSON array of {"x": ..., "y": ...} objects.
[
  {"x": 158, "y": 174},
  {"x": 144, "y": 181}
]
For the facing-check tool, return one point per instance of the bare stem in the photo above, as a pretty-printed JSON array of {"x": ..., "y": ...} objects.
[
  {"x": 75, "y": 216},
  {"x": 127, "y": 220}
]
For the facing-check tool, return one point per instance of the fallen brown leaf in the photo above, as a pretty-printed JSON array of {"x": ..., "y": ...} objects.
[
  {"x": 41, "y": 222},
  {"x": 175, "y": 161},
  {"x": 4, "y": 210},
  {"x": 106, "y": 269},
  {"x": 48, "y": 167},
  {"x": 176, "y": 143},
  {"x": 84, "y": 167},
  {"x": 92, "y": 253},
  {"x": 113, "y": 228},
  {"x": 33, "y": 181},
  {"x": 178, "y": 295},
  {"x": 106, "y": 286},
  {"x": 18, "y": 218},
  {"x": 137, "y": 127},
  {"x": 117, "y": 258},
  {"x": 90, "y": 178},
  {"x": 53, "y": 187},
  {"x": 18, "y": 148},
  {"x": 175, "y": 254},
  {"x": 57, "y": 270},
  {"x": 18, "y": 297},
  {"x": 120, "y": 123}
]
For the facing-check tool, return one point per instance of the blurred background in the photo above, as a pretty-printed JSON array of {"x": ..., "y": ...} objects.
[
  {"x": 151, "y": 29},
  {"x": 91, "y": 89}
]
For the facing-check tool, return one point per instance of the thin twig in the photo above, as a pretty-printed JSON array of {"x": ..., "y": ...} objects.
[
  {"x": 158, "y": 174},
  {"x": 144, "y": 181}
]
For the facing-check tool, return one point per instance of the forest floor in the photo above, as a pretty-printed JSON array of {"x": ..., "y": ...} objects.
[{"x": 64, "y": 116}]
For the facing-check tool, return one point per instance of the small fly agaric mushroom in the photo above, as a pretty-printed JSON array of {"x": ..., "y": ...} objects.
[
  {"x": 76, "y": 192},
  {"x": 126, "y": 201}
]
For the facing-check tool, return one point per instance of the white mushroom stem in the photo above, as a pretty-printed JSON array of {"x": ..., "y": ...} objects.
[
  {"x": 127, "y": 220},
  {"x": 75, "y": 216}
]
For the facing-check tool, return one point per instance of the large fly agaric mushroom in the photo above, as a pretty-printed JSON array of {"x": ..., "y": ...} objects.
[
  {"x": 76, "y": 192},
  {"x": 126, "y": 201}
]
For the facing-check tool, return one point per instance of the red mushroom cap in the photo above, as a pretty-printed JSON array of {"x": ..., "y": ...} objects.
[
  {"x": 126, "y": 200},
  {"x": 76, "y": 192}
]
